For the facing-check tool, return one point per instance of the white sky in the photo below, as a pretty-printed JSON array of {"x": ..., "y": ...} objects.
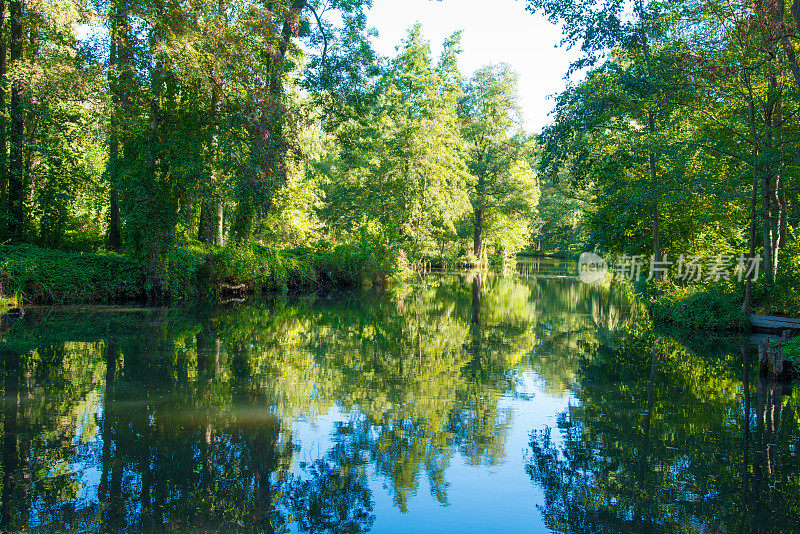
[{"x": 494, "y": 31}]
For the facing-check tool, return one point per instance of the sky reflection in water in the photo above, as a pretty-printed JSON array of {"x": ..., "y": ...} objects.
[{"x": 464, "y": 404}]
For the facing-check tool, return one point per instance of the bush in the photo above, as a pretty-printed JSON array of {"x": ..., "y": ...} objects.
[
  {"x": 37, "y": 275},
  {"x": 782, "y": 297},
  {"x": 186, "y": 272},
  {"x": 258, "y": 268},
  {"x": 40, "y": 275},
  {"x": 711, "y": 307},
  {"x": 368, "y": 261},
  {"x": 791, "y": 350}
]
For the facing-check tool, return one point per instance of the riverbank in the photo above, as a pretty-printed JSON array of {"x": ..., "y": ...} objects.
[
  {"x": 699, "y": 307},
  {"x": 717, "y": 306},
  {"x": 33, "y": 275}
]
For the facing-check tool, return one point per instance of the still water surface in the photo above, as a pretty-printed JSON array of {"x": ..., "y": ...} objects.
[{"x": 459, "y": 404}]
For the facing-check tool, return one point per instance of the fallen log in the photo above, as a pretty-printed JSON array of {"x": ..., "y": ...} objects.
[
  {"x": 229, "y": 291},
  {"x": 771, "y": 323}
]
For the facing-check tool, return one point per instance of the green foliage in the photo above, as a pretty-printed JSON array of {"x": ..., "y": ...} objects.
[
  {"x": 503, "y": 188},
  {"x": 396, "y": 169},
  {"x": 259, "y": 269},
  {"x": 681, "y": 137},
  {"x": 321, "y": 163},
  {"x": 49, "y": 276},
  {"x": 224, "y": 129},
  {"x": 63, "y": 92},
  {"x": 195, "y": 273},
  {"x": 782, "y": 297},
  {"x": 791, "y": 350},
  {"x": 185, "y": 274},
  {"x": 367, "y": 260},
  {"x": 561, "y": 228},
  {"x": 705, "y": 307}
]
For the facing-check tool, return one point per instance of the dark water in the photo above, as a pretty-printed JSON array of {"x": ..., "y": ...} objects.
[{"x": 505, "y": 404}]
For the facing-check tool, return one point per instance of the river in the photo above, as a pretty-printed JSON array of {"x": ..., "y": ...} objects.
[{"x": 459, "y": 403}]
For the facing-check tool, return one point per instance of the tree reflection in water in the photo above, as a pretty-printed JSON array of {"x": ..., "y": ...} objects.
[
  {"x": 661, "y": 441},
  {"x": 148, "y": 420}
]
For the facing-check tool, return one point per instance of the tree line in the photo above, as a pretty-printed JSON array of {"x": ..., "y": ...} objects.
[
  {"x": 682, "y": 137},
  {"x": 154, "y": 127},
  {"x": 146, "y": 127}
]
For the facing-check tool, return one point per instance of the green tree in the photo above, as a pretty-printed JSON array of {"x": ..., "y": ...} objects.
[
  {"x": 399, "y": 170},
  {"x": 503, "y": 189}
]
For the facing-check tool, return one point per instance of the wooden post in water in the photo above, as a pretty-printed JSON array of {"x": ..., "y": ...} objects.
[{"x": 771, "y": 361}]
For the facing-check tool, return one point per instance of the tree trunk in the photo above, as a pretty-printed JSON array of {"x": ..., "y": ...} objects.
[
  {"x": 651, "y": 160},
  {"x": 119, "y": 79},
  {"x": 267, "y": 129},
  {"x": 783, "y": 230},
  {"x": 220, "y": 223},
  {"x": 3, "y": 155},
  {"x": 766, "y": 225},
  {"x": 748, "y": 290},
  {"x": 206, "y": 228},
  {"x": 210, "y": 226},
  {"x": 114, "y": 221},
  {"x": 290, "y": 26},
  {"x": 32, "y": 158},
  {"x": 778, "y": 222},
  {"x": 777, "y": 208},
  {"x": 479, "y": 208},
  {"x": 477, "y": 244},
  {"x": 772, "y": 112},
  {"x": 17, "y": 134},
  {"x": 215, "y": 107},
  {"x": 244, "y": 220}
]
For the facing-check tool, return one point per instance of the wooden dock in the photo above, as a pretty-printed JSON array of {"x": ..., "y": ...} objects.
[{"x": 768, "y": 323}]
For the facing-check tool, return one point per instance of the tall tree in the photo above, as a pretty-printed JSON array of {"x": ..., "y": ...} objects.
[
  {"x": 16, "y": 171},
  {"x": 120, "y": 81},
  {"x": 637, "y": 27},
  {"x": 3, "y": 86},
  {"x": 741, "y": 61},
  {"x": 502, "y": 184},
  {"x": 399, "y": 170}
]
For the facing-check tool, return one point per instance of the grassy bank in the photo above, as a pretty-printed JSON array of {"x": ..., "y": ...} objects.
[
  {"x": 33, "y": 275},
  {"x": 700, "y": 307},
  {"x": 718, "y": 306}
]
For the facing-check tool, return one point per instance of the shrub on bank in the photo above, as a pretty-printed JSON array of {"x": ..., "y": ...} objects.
[
  {"x": 710, "y": 307},
  {"x": 258, "y": 268},
  {"x": 351, "y": 265},
  {"x": 40, "y": 275},
  {"x": 368, "y": 259}
]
